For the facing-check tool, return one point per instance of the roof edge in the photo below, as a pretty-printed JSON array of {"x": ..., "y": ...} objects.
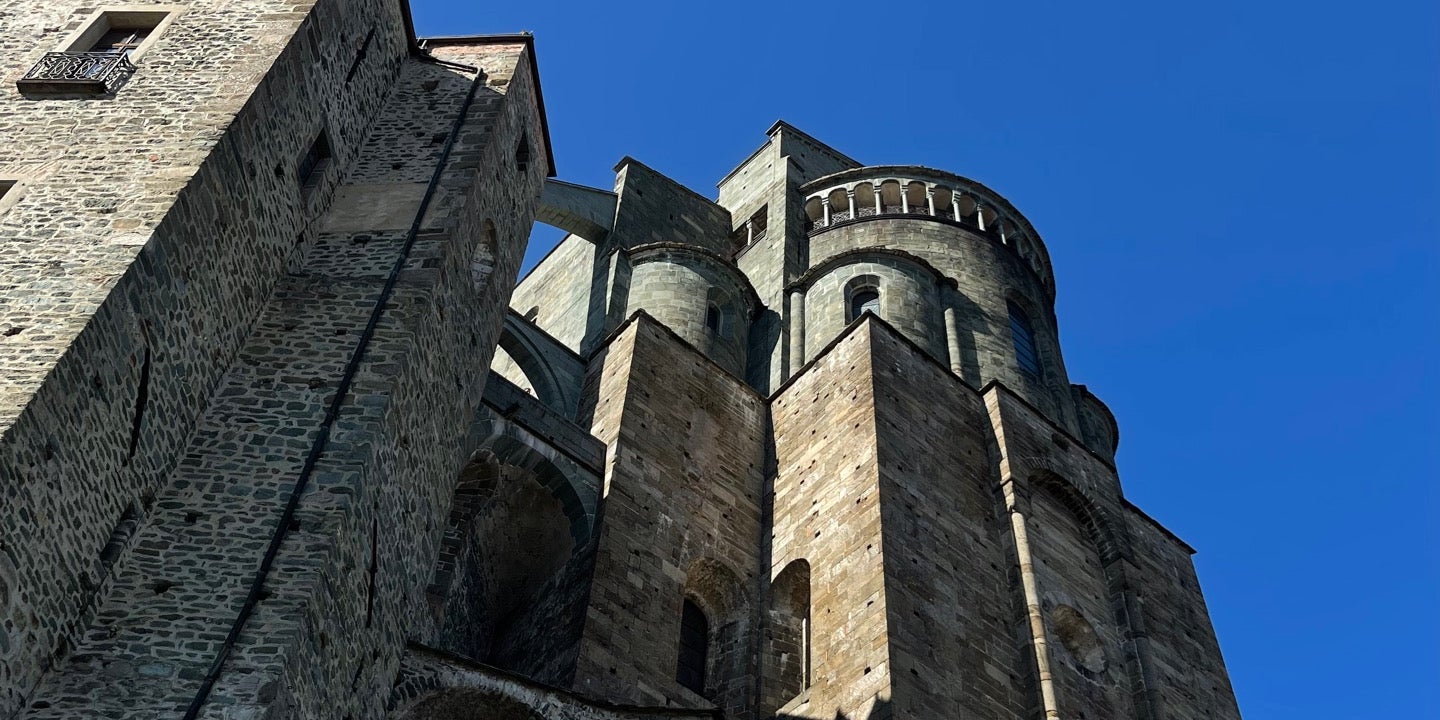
[
  {"x": 782, "y": 125},
  {"x": 524, "y": 38}
]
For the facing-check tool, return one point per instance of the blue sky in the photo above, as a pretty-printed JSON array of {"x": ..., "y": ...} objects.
[{"x": 1240, "y": 200}]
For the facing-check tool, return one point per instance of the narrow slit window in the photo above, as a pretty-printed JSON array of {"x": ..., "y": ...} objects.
[
  {"x": 522, "y": 153},
  {"x": 311, "y": 167},
  {"x": 694, "y": 646},
  {"x": 713, "y": 319},
  {"x": 1022, "y": 334}
]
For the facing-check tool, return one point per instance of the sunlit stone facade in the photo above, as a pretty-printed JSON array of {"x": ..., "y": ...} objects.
[{"x": 282, "y": 437}]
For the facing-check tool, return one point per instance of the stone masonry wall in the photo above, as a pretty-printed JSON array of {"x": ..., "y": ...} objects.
[
  {"x": 988, "y": 274},
  {"x": 947, "y": 583},
  {"x": 1086, "y": 646},
  {"x": 1187, "y": 670},
  {"x": 346, "y": 586},
  {"x": 151, "y": 230},
  {"x": 1070, "y": 503},
  {"x": 681, "y": 517},
  {"x": 404, "y": 432},
  {"x": 771, "y": 177},
  {"x": 827, "y": 512},
  {"x": 677, "y": 287},
  {"x": 910, "y": 301},
  {"x": 653, "y": 208},
  {"x": 558, "y": 288}
]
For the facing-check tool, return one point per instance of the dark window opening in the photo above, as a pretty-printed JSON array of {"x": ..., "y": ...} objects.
[
  {"x": 713, "y": 319},
  {"x": 532, "y": 313},
  {"x": 1023, "y": 336},
  {"x": 142, "y": 397},
  {"x": 313, "y": 163},
  {"x": 694, "y": 644},
  {"x": 121, "y": 41},
  {"x": 863, "y": 300},
  {"x": 522, "y": 153},
  {"x": 6, "y": 186}
]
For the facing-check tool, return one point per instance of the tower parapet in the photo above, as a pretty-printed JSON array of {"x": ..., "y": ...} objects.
[{"x": 876, "y": 192}]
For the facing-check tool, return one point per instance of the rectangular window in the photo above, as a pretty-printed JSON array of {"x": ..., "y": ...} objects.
[
  {"x": 100, "y": 56},
  {"x": 123, "y": 41},
  {"x": 1023, "y": 337},
  {"x": 126, "y": 30},
  {"x": 311, "y": 168}
]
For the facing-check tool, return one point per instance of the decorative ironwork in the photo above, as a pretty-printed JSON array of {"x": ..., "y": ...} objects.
[
  {"x": 78, "y": 72},
  {"x": 865, "y": 212},
  {"x": 839, "y": 216}
]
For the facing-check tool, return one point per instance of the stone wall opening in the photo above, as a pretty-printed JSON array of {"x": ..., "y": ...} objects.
[
  {"x": 787, "y": 661},
  {"x": 510, "y": 563},
  {"x": 715, "y": 590}
]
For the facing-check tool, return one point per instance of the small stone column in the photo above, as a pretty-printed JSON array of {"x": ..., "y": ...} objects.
[
  {"x": 930, "y": 200},
  {"x": 905, "y": 199},
  {"x": 980, "y": 215},
  {"x": 877, "y": 198},
  {"x": 850, "y": 198},
  {"x": 825, "y": 209},
  {"x": 797, "y": 331},
  {"x": 955, "y": 205},
  {"x": 952, "y": 339}
]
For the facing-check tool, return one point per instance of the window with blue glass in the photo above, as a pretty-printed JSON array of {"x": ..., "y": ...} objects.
[{"x": 1022, "y": 334}]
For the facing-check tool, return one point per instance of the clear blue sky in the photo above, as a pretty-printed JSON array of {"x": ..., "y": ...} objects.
[{"x": 1240, "y": 199}]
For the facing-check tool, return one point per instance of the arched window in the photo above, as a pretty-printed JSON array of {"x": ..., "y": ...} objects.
[
  {"x": 787, "y": 666},
  {"x": 863, "y": 300},
  {"x": 713, "y": 319},
  {"x": 1022, "y": 334},
  {"x": 694, "y": 644}
]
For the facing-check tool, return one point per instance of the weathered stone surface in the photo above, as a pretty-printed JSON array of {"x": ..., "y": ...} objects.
[{"x": 272, "y": 444}]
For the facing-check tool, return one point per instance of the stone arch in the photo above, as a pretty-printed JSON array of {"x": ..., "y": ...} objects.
[
  {"x": 839, "y": 204},
  {"x": 944, "y": 201},
  {"x": 516, "y": 533},
  {"x": 787, "y": 661},
  {"x": 864, "y": 199},
  {"x": 814, "y": 211},
  {"x": 915, "y": 197},
  {"x": 719, "y": 593},
  {"x": 1081, "y": 588},
  {"x": 720, "y": 311},
  {"x": 528, "y": 367},
  {"x": 1099, "y": 527},
  {"x": 863, "y": 292}
]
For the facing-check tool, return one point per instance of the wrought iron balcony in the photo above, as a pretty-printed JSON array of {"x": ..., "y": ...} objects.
[{"x": 77, "y": 72}]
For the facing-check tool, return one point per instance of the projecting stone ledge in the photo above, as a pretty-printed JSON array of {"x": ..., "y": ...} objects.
[
  {"x": 437, "y": 685},
  {"x": 585, "y": 211}
]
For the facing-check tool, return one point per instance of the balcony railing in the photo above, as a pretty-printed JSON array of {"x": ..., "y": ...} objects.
[
  {"x": 863, "y": 198},
  {"x": 77, "y": 72}
]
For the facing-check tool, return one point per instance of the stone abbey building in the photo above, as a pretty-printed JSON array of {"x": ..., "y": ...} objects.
[{"x": 281, "y": 437}]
